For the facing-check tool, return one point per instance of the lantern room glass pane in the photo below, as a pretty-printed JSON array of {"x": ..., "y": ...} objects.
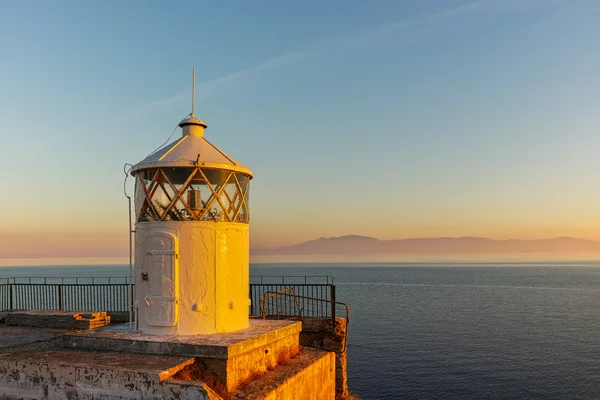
[
  {"x": 242, "y": 215},
  {"x": 146, "y": 211},
  {"x": 216, "y": 177},
  {"x": 178, "y": 175},
  {"x": 243, "y": 180},
  {"x": 191, "y": 194}
]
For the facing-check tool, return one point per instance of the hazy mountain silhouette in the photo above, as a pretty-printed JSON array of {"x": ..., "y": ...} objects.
[{"x": 363, "y": 245}]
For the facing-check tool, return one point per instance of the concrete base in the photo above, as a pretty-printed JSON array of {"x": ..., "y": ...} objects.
[
  {"x": 265, "y": 362},
  {"x": 234, "y": 357}
]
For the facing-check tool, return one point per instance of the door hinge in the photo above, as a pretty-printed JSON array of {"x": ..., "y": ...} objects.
[{"x": 161, "y": 252}]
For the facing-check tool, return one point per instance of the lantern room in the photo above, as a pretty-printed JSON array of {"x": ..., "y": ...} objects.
[{"x": 191, "y": 238}]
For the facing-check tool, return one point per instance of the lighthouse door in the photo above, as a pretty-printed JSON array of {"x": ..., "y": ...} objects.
[{"x": 159, "y": 278}]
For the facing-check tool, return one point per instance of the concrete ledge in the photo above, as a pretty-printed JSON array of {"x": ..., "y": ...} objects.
[
  {"x": 233, "y": 357},
  {"x": 220, "y": 345}
]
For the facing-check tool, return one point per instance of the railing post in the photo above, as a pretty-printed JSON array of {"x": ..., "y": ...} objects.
[
  {"x": 10, "y": 296},
  {"x": 251, "y": 300},
  {"x": 60, "y": 298},
  {"x": 131, "y": 301},
  {"x": 333, "y": 304}
]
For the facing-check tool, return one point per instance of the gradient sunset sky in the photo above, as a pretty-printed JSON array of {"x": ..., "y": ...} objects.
[{"x": 391, "y": 119}]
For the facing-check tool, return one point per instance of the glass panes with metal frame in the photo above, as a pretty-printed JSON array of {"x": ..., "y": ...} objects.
[{"x": 192, "y": 194}]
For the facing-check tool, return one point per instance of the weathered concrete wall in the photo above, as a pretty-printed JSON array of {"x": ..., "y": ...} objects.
[
  {"x": 238, "y": 369},
  {"x": 316, "y": 381},
  {"x": 320, "y": 333},
  {"x": 308, "y": 376},
  {"x": 59, "y": 375}
]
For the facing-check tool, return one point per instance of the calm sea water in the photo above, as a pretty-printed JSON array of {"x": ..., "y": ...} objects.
[{"x": 495, "y": 331}]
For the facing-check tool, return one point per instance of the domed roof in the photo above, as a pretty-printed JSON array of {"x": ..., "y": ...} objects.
[{"x": 191, "y": 150}]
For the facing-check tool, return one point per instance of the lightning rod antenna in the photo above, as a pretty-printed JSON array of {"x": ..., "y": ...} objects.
[{"x": 193, "y": 90}]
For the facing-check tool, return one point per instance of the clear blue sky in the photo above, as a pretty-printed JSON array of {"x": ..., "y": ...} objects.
[{"x": 385, "y": 118}]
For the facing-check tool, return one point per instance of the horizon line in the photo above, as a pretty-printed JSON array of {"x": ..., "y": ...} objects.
[
  {"x": 287, "y": 260},
  {"x": 433, "y": 237},
  {"x": 33, "y": 260}
]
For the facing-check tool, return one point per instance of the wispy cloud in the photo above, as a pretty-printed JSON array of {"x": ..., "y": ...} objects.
[
  {"x": 419, "y": 25},
  {"x": 207, "y": 86}
]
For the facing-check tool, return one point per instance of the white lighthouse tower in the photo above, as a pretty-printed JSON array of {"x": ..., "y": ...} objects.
[{"x": 191, "y": 238}]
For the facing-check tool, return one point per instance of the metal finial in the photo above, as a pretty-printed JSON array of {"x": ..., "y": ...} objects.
[{"x": 193, "y": 90}]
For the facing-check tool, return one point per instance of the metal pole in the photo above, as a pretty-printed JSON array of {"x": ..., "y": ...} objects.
[
  {"x": 251, "y": 300},
  {"x": 333, "y": 304},
  {"x": 60, "y": 298},
  {"x": 130, "y": 267},
  {"x": 130, "y": 246},
  {"x": 193, "y": 90}
]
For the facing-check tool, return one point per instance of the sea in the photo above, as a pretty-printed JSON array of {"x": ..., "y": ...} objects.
[{"x": 454, "y": 331}]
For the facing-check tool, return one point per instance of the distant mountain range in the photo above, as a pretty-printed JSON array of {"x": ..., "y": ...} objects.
[{"x": 368, "y": 246}]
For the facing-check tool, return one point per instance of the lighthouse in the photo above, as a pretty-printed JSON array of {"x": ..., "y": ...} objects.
[{"x": 191, "y": 237}]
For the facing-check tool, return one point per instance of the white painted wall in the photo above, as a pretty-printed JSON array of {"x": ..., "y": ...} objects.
[{"x": 201, "y": 288}]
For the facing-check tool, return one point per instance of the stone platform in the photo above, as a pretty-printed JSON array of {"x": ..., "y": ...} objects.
[
  {"x": 234, "y": 357},
  {"x": 263, "y": 362}
]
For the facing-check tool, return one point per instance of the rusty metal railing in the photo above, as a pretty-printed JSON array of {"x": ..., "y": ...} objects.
[
  {"x": 272, "y": 306},
  {"x": 321, "y": 289},
  {"x": 268, "y": 295}
]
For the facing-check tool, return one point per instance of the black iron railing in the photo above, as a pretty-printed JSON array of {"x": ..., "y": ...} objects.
[
  {"x": 314, "y": 295},
  {"x": 5, "y": 297},
  {"x": 67, "y": 280},
  {"x": 115, "y": 297},
  {"x": 292, "y": 279}
]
